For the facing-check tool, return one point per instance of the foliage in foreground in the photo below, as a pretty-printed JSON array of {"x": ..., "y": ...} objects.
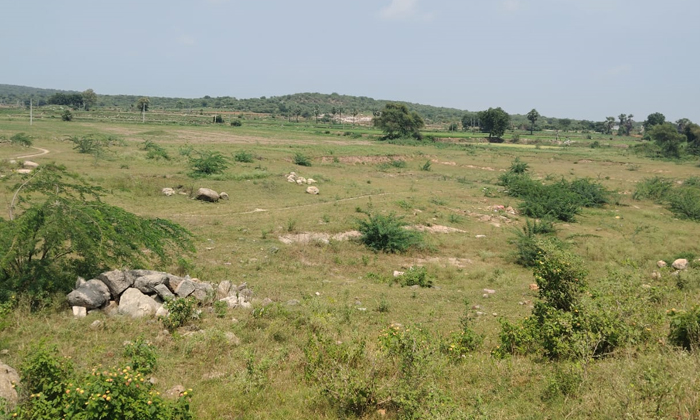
[
  {"x": 683, "y": 201},
  {"x": 60, "y": 229},
  {"x": 51, "y": 389},
  {"x": 388, "y": 233}
]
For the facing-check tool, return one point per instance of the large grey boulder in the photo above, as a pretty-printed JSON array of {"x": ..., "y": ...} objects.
[
  {"x": 136, "y": 305},
  {"x": 8, "y": 378},
  {"x": 132, "y": 275},
  {"x": 92, "y": 295},
  {"x": 164, "y": 292},
  {"x": 185, "y": 288},
  {"x": 148, "y": 283},
  {"x": 202, "y": 291},
  {"x": 116, "y": 281},
  {"x": 207, "y": 194},
  {"x": 173, "y": 282}
]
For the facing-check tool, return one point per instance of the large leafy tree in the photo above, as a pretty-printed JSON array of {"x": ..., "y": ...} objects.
[
  {"x": 668, "y": 139},
  {"x": 60, "y": 228},
  {"x": 654, "y": 119},
  {"x": 494, "y": 121},
  {"x": 533, "y": 116},
  {"x": 396, "y": 121},
  {"x": 143, "y": 103},
  {"x": 692, "y": 135},
  {"x": 89, "y": 99}
]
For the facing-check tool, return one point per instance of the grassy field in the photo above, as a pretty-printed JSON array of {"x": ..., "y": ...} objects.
[{"x": 347, "y": 293}]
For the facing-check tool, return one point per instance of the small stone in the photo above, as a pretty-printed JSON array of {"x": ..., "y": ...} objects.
[
  {"x": 478, "y": 313},
  {"x": 292, "y": 302},
  {"x": 489, "y": 291},
  {"x": 494, "y": 314},
  {"x": 534, "y": 286},
  {"x": 476, "y": 307},
  {"x": 486, "y": 295},
  {"x": 415, "y": 287},
  {"x": 646, "y": 286},
  {"x": 680, "y": 264},
  {"x": 79, "y": 311},
  {"x": 223, "y": 196},
  {"x": 168, "y": 192},
  {"x": 318, "y": 294},
  {"x": 362, "y": 309},
  {"x": 232, "y": 339},
  {"x": 398, "y": 273},
  {"x": 656, "y": 275},
  {"x": 266, "y": 302},
  {"x": 96, "y": 324},
  {"x": 480, "y": 236},
  {"x": 661, "y": 264},
  {"x": 312, "y": 190}
]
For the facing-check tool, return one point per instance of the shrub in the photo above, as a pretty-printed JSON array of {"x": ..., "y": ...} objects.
[
  {"x": 301, "y": 159},
  {"x": 685, "y": 328},
  {"x": 218, "y": 119},
  {"x": 464, "y": 341},
  {"x": 416, "y": 276},
  {"x": 595, "y": 144},
  {"x": 142, "y": 356},
  {"x": 426, "y": 166},
  {"x": 591, "y": 194},
  {"x": 73, "y": 233},
  {"x": 554, "y": 201},
  {"x": 685, "y": 203},
  {"x": 180, "y": 312},
  {"x": 528, "y": 245},
  {"x": 90, "y": 144},
  {"x": 656, "y": 188},
  {"x": 387, "y": 233},
  {"x": 50, "y": 390},
  {"x": 21, "y": 139},
  {"x": 560, "y": 277},
  {"x": 206, "y": 163},
  {"x": 67, "y": 115},
  {"x": 243, "y": 157},
  {"x": 155, "y": 151},
  {"x": 236, "y": 123},
  {"x": 518, "y": 167},
  {"x": 398, "y": 163}
]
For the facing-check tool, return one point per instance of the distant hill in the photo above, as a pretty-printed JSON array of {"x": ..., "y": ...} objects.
[{"x": 305, "y": 104}]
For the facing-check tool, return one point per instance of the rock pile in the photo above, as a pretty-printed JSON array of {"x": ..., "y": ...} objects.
[
  {"x": 292, "y": 177},
  {"x": 203, "y": 194},
  {"x": 139, "y": 293}
]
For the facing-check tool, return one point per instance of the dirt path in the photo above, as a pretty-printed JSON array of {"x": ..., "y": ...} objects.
[{"x": 43, "y": 152}]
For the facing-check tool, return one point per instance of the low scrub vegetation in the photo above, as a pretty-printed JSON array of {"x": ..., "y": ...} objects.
[{"x": 388, "y": 233}]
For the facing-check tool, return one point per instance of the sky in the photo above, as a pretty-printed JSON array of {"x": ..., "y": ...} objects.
[{"x": 582, "y": 59}]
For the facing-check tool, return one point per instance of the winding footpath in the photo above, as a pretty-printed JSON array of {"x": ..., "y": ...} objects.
[{"x": 43, "y": 152}]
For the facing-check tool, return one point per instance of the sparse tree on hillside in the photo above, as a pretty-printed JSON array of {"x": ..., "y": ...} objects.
[
  {"x": 142, "y": 105},
  {"x": 396, "y": 121},
  {"x": 668, "y": 139},
  {"x": 609, "y": 124},
  {"x": 89, "y": 99},
  {"x": 494, "y": 121},
  {"x": 533, "y": 116}
]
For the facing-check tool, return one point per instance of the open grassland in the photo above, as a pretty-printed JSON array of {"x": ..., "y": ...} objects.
[{"x": 347, "y": 294}]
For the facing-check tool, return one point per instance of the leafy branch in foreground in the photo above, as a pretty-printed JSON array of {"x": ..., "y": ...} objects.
[{"x": 59, "y": 229}]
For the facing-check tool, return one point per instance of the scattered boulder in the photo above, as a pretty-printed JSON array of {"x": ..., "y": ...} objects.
[
  {"x": 136, "y": 305},
  {"x": 117, "y": 281},
  {"x": 202, "y": 291},
  {"x": 207, "y": 194},
  {"x": 8, "y": 379},
  {"x": 185, "y": 288},
  {"x": 163, "y": 291},
  {"x": 223, "y": 195},
  {"x": 174, "y": 281},
  {"x": 661, "y": 264},
  {"x": 231, "y": 301},
  {"x": 29, "y": 164},
  {"x": 147, "y": 284},
  {"x": 168, "y": 192},
  {"x": 24, "y": 171},
  {"x": 656, "y": 275},
  {"x": 680, "y": 264},
  {"x": 312, "y": 190},
  {"x": 223, "y": 289},
  {"x": 89, "y": 295}
]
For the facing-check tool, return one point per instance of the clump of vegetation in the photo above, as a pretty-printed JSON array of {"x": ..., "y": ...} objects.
[
  {"x": 236, "y": 123},
  {"x": 207, "y": 162},
  {"x": 218, "y": 119},
  {"x": 527, "y": 241},
  {"x": 51, "y": 389},
  {"x": 656, "y": 188},
  {"x": 388, "y": 233},
  {"x": 683, "y": 201},
  {"x": 142, "y": 356},
  {"x": 180, "y": 312},
  {"x": 155, "y": 151},
  {"x": 21, "y": 139},
  {"x": 561, "y": 200},
  {"x": 67, "y": 115},
  {"x": 416, "y": 276},
  {"x": 396, "y": 121},
  {"x": 426, "y": 166},
  {"x": 464, "y": 341},
  {"x": 685, "y": 328},
  {"x": 243, "y": 156},
  {"x": 94, "y": 144},
  {"x": 74, "y": 233},
  {"x": 301, "y": 159}
]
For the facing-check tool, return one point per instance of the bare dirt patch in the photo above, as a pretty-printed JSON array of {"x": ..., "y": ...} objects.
[
  {"x": 318, "y": 237},
  {"x": 361, "y": 160},
  {"x": 450, "y": 261},
  {"x": 437, "y": 229}
]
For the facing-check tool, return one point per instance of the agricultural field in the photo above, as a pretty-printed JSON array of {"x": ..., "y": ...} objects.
[{"x": 346, "y": 336}]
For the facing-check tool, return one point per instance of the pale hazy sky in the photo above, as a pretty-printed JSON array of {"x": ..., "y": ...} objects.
[{"x": 583, "y": 59}]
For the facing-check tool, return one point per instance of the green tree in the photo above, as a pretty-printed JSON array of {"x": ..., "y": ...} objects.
[
  {"x": 494, "y": 121},
  {"x": 143, "y": 103},
  {"x": 565, "y": 123},
  {"x": 654, "y": 119},
  {"x": 533, "y": 116},
  {"x": 395, "y": 120},
  {"x": 59, "y": 229},
  {"x": 668, "y": 139},
  {"x": 89, "y": 99},
  {"x": 608, "y": 124},
  {"x": 692, "y": 135}
]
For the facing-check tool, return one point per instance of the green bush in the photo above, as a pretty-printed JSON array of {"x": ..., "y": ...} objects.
[
  {"x": 685, "y": 328},
  {"x": 426, "y": 166},
  {"x": 560, "y": 277},
  {"x": 656, "y": 188},
  {"x": 465, "y": 341},
  {"x": 155, "y": 151},
  {"x": 527, "y": 242},
  {"x": 398, "y": 163},
  {"x": 553, "y": 201},
  {"x": 301, "y": 159},
  {"x": 243, "y": 157},
  {"x": 518, "y": 167},
  {"x": 218, "y": 119},
  {"x": 181, "y": 311},
  {"x": 67, "y": 115},
  {"x": 21, "y": 139},
  {"x": 591, "y": 194},
  {"x": 236, "y": 123},
  {"x": 388, "y": 233},
  {"x": 50, "y": 390},
  {"x": 685, "y": 203},
  {"x": 206, "y": 163},
  {"x": 416, "y": 276},
  {"x": 142, "y": 355}
]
